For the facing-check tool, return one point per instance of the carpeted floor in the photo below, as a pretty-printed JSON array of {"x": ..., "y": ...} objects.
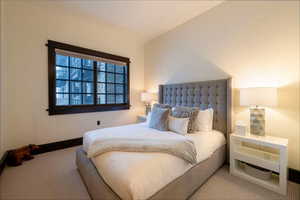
[{"x": 53, "y": 176}]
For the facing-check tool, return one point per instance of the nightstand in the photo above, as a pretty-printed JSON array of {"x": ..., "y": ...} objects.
[
  {"x": 141, "y": 118},
  {"x": 266, "y": 152}
]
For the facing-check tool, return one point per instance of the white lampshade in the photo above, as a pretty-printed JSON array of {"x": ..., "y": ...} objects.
[
  {"x": 258, "y": 96},
  {"x": 146, "y": 97}
]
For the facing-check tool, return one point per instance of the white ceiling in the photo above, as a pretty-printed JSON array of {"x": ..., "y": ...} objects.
[{"x": 148, "y": 18}]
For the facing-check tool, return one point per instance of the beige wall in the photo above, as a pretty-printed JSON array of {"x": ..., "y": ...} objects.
[
  {"x": 255, "y": 43},
  {"x": 26, "y": 28}
]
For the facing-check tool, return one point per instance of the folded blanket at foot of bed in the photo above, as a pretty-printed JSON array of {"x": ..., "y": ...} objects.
[{"x": 139, "y": 139}]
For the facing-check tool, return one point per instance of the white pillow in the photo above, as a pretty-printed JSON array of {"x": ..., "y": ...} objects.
[
  {"x": 204, "y": 120},
  {"x": 178, "y": 125}
]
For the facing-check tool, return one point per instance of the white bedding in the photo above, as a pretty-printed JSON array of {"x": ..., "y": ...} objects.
[
  {"x": 133, "y": 138},
  {"x": 136, "y": 175}
]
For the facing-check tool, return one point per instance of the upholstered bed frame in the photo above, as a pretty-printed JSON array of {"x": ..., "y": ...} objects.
[{"x": 204, "y": 94}]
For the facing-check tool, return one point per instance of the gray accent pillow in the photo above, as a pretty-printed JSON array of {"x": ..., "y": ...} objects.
[
  {"x": 158, "y": 105},
  {"x": 159, "y": 118},
  {"x": 186, "y": 112}
]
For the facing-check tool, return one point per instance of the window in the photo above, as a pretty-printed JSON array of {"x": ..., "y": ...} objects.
[{"x": 84, "y": 80}]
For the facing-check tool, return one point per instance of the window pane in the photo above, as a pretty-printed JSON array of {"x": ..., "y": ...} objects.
[
  {"x": 119, "y": 78},
  {"x": 101, "y": 76},
  {"x": 110, "y": 77},
  {"x": 75, "y": 62},
  {"x": 88, "y": 75},
  {"x": 62, "y": 60},
  {"x": 62, "y": 72},
  {"x": 100, "y": 66},
  {"x": 101, "y": 98},
  {"x": 100, "y": 88},
  {"x": 110, "y": 99},
  {"x": 119, "y": 69},
  {"x": 125, "y": 81},
  {"x": 87, "y": 64},
  {"x": 62, "y": 86},
  {"x": 110, "y": 88},
  {"x": 110, "y": 67},
  {"x": 119, "y": 88},
  {"x": 87, "y": 87},
  {"x": 62, "y": 99},
  {"x": 75, "y": 87},
  {"x": 75, "y": 74},
  {"x": 76, "y": 99},
  {"x": 88, "y": 99},
  {"x": 119, "y": 99},
  {"x": 126, "y": 94}
]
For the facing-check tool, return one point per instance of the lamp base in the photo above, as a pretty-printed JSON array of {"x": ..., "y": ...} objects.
[
  {"x": 148, "y": 109},
  {"x": 257, "y": 121}
]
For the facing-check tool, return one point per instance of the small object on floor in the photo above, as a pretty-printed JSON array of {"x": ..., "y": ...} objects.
[{"x": 17, "y": 156}]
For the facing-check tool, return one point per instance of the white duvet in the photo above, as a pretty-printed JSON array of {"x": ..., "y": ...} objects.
[
  {"x": 139, "y": 175},
  {"x": 132, "y": 138}
]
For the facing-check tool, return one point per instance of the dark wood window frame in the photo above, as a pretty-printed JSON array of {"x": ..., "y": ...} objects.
[{"x": 69, "y": 109}]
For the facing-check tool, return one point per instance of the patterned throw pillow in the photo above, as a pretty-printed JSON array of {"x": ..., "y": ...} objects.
[
  {"x": 159, "y": 118},
  {"x": 186, "y": 112},
  {"x": 158, "y": 105}
]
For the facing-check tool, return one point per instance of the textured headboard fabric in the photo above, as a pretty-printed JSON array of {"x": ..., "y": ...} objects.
[{"x": 214, "y": 94}]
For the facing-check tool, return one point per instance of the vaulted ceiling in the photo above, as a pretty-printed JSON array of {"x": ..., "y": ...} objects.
[{"x": 148, "y": 18}]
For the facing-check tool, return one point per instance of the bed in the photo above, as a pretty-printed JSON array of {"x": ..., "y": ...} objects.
[{"x": 135, "y": 175}]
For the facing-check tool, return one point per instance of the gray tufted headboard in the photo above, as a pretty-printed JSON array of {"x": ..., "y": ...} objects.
[{"x": 204, "y": 94}]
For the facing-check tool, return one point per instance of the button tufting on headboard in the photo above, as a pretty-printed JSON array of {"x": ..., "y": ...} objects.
[{"x": 205, "y": 94}]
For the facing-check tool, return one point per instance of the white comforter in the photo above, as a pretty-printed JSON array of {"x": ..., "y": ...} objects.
[
  {"x": 136, "y": 175},
  {"x": 132, "y": 138}
]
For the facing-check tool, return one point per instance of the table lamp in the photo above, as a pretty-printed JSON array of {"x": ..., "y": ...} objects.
[
  {"x": 147, "y": 97},
  {"x": 257, "y": 99}
]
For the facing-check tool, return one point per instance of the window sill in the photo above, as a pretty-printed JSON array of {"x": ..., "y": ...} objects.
[{"x": 87, "y": 108}]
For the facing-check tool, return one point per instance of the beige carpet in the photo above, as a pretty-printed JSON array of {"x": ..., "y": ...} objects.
[{"x": 53, "y": 176}]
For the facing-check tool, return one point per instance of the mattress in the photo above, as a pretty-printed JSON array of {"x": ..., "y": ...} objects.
[{"x": 136, "y": 175}]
